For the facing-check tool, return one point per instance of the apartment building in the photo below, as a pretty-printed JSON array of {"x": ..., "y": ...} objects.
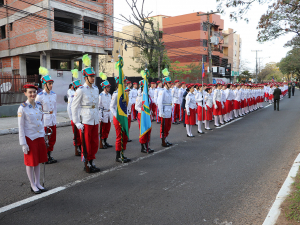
[{"x": 53, "y": 34}]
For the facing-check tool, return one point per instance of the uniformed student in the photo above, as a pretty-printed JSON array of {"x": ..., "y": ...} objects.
[
  {"x": 76, "y": 141},
  {"x": 156, "y": 93},
  {"x": 127, "y": 91},
  {"x": 132, "y": 97},
  {"x": 175, "y": 103},
  {"x": 164, "y": 102},
  {"x": 200, "y": 110},
  {"x": 104, "y": 113},
  {"x": 153, "y": 105},
  {"x": 31, "y": 137},
  {"x": 218, "y": 105},
  {"x": 190, "y": 107},
  {"x": 208, "y": 107},
  {"x": 86, "y": 99},
  {"x": 113, "y": 109},
  {"x": 48, "y": 100}
]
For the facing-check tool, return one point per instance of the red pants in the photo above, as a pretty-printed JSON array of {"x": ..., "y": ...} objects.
[
  {"x": 153, "y": 108},
  {"x": 167, "y": 127},
  {"x": 181, "y": 114},
  {"x": 105, "y": 129},
  {"x": 133, "y": 112},
  {"x": 52, "y": 138},
  {"x": 129, "y": 121},
  {"x": 91, "y": 141},
  {"x": 78, "y": 140},
  {"x": 118, "y": 134},
  {"x": 191, "y": 119},
  {"x": 37, "y": 152},
  {"x": 176, "y": 112}
]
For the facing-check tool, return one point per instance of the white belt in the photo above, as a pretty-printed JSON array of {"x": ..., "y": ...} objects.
[
  {"x": 49, "y": 112},
  {"x": 88, "y": 106},
  {"x": 170, "y": 104}
]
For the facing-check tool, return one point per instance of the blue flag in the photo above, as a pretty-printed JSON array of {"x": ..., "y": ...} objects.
[{"x": 145, "y": 114}]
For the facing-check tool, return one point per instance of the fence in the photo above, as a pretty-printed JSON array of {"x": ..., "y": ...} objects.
[{"x": 11, "y": 88}]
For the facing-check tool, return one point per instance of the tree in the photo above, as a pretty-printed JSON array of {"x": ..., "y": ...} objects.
[
  {"x": 270, "y": 71},
  {"x": 244, "y": 76},
  {"x": 148, "y": 40},
  {"x": 195, "y": 71},
  {"x": 281, "y": 17},
  {"x": 178, "y": 72},
  {"x": 290, "y": 65}
]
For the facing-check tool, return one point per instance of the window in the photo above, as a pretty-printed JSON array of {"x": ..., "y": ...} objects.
[
  {"x": 10, "y": 26},
  {"x": 204, "y": 27},
  {"x": 3, "y": 33},
  {"x": 1, "y": 2},
  {"x": 235, "y": 53},
  {"x": 235, "y": 42},
  {"x": 63, "y": 24},
  {"x": 204, "y": 43},
  {"x": 90, "y": 27},
  {"x": 204, "y": 58}
]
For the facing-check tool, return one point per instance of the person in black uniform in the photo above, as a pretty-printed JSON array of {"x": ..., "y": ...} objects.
[
  {"x": 183, "y": 105},
  {"x": 276, "y": 94},
  {"x": 293, "y": 89},
  {"x": 289, "y": 90}
]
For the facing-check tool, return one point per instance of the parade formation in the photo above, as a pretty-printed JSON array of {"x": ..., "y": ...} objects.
[{"x": 91, "y": 113}]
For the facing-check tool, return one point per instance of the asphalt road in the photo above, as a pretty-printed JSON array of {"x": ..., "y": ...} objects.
[{"x": 232, "y": 174}]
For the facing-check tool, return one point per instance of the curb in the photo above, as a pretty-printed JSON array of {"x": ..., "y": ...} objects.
[
  {"x": 282, "y": 194},
  {"x": 16, "y": 130}
]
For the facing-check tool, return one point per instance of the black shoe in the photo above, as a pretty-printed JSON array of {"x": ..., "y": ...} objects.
[
  {"x": 192, "y": 136},
  {"x": 43, "y": 190},
  {"x": 144, "y": 148},
  {"x": 216, "y": 125},
  {"x": 51, "y": 160},
  {"x": 150, "y": 150},
  {"x": 35, "y": 192},
  {"x": 123, "y": 161},
  {"x": 168, "y": 143},
  {"x": 94, "y": 169},
  {"x": 107, "y": 144},
  {"x": 184, "y": 125},
  {"x": 129, "y": 140},
  {"x": 200, "y": 132},
  {"x": 222, "y": 123}
]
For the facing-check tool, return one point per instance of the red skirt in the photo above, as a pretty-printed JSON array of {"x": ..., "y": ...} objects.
[
  {"x": 199, "y": 113},
  {"x": 208, "y": 113},
  {"x": 242, "y": 103},
  {"x": 37, "y": 152},
  {"x": 191, "y": 119},
  {"x": 236, "y": 104},
  {"x": 218, "y": 111},
  {"x": 270, "y": 97},
  {"x": 228, "y": 105},
  {"x": 245, "y": 102}
]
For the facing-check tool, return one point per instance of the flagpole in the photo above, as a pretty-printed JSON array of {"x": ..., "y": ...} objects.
[{"x": 202, "y": 92}]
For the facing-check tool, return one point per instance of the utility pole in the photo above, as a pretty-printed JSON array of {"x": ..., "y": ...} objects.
[
  {"x": 256, "y": 61},
  {"x": 208, "y": 25}
]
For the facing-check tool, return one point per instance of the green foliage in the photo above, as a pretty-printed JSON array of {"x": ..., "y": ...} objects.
[
  {"x": 282, "y": 17},
  {"x": 290, "y": 65},
  {"x": 178, "y": 72},
  {"x": 292, "y": 211},
  {"x": 244, "y": 76},
  {"x": 271, "y": 70}
]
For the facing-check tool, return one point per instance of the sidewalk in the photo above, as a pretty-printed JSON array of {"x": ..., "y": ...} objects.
[{"x": 9, "y": 125}]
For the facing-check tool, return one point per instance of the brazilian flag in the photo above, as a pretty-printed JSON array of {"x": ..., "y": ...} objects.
[{"x": 122, "y": 99}]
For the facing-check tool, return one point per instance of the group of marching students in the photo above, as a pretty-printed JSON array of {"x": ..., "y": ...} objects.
[{"x": 91, "y": 114}]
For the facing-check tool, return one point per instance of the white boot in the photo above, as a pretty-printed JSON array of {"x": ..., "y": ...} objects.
[
  {"x": 191, "y": 131},
  {"x": 199, "y": 126},
  {"x": 216, "y": 121},
  {"x": 187, "y": 126}
]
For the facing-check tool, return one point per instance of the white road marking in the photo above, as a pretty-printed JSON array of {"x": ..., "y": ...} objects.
[
  {"x": 58, "y": 189},
  {"x": 282, "y": 194}
]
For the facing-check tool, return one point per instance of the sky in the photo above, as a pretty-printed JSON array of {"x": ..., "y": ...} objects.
[{"x": 271, "y": 51}]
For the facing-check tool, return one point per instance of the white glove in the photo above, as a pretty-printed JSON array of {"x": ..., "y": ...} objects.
[
  {"x": 216, "y": 106},
  {"x": 101, "y": 119},
  {"x": 79, "y": 126},
  {"x": 188, "y": 113},
  {"x": 161, "y": 115},
  {"x": 25, "y": 149}
]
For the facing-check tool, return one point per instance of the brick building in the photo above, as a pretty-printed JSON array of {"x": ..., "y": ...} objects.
[
  {"x": 53, "y": 34},
  {"x": 186, "y": 40}
]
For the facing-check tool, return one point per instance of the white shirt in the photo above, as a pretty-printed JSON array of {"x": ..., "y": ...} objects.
[
  {"x": 164, "y": 103},
  {"x": 114, "y": 103},
  {"x": 175, "y": 95},
  {"x": 237, "y": 95},
  {"x": 208, "y": 100},
  {"x": 156, "y": 92},
  {"x": 30, "y": 121},
  {"x": 48, "y": 102},
  {"x": 190, "y": 102},
  {"x": 70, "y": 92},
  {"x": 86, "y": 96},
  {"x": 132, "y": 95},
  {"x": 104, "y": 107},
  {"x": 199, "y": 98},
  {"x": 217, "y": 96},
  {"x": 139, "y": 102},
  {"x": 151, "y": 92}
]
